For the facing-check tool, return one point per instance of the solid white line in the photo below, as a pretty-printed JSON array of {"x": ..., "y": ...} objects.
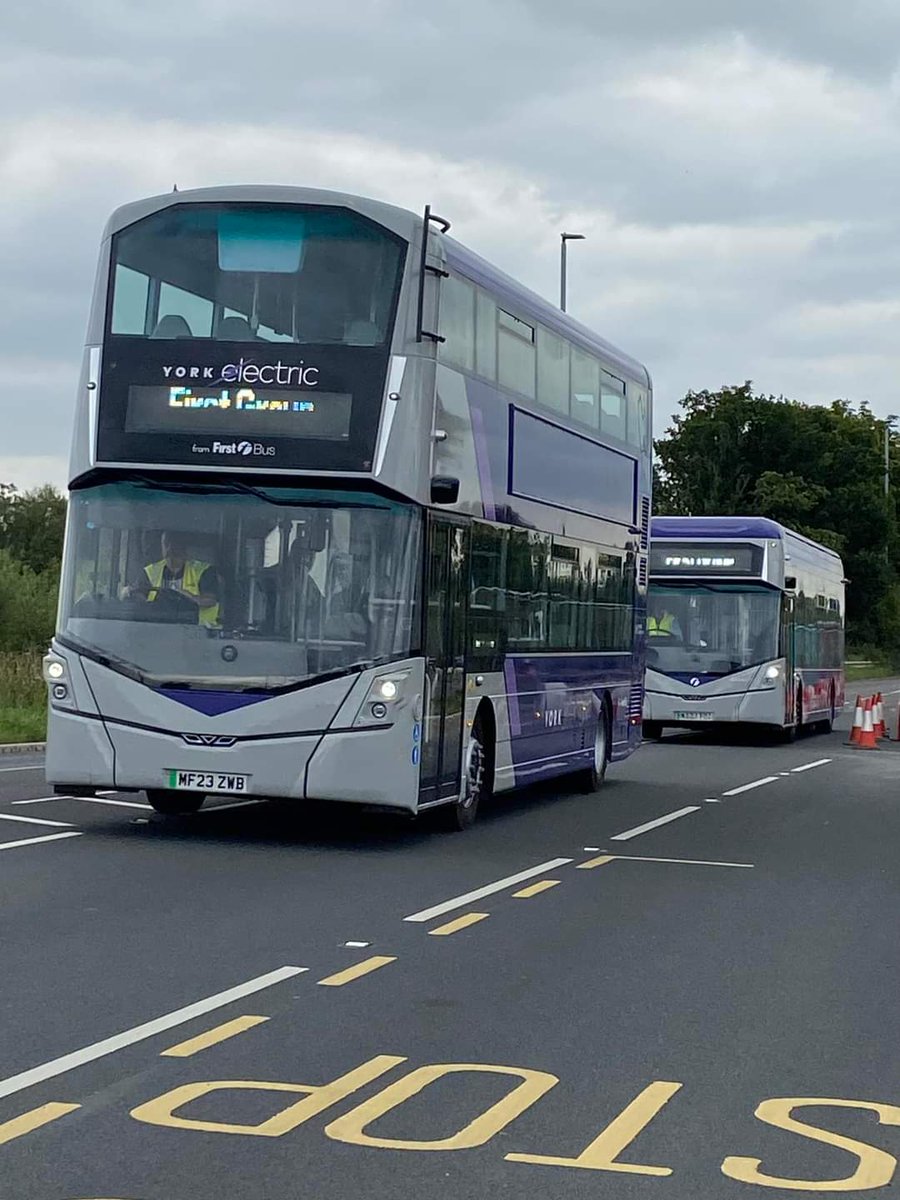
[
  {"x": 691, "y": 862},
  {"x": 820, "y": 762},
  {"x": 237, "y": 804},
  {"x": 672, "y": 816},
  {"x": 36, "y": 767},
  {"x": 43, "y": 799},
  {"x": 50, "y": 837},
  {"x": 438, "y": 910},
  {"x": 748, "y": 787},
  {"x": 114, "y": 803},
  {"x": 35, "y": 821},
  {"x": 58, "y": 1066}
]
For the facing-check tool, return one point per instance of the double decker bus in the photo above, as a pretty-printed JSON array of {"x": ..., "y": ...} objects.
[
  {"x": 353, "y": 517},
  {"x": 745, "y": 624}
]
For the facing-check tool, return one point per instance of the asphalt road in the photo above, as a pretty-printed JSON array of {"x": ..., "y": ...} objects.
[{"x": 252, "y": 1003}]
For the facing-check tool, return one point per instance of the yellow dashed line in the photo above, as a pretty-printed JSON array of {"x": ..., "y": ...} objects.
[
  {"x": 535, "y": 889},
  {"x": 355, "y": 972},
  {"x": 34, "y": 1120},
  {"x": 212, "y": 1037},
  {"x": 460, "y": 923},
  {"x": 595, "y": 862}
]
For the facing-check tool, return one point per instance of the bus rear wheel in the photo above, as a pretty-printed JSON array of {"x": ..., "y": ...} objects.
[
  {"x": 477, "y": 779},
  {"x": 173, "y": 804},
  {"x": 596, "y": 772}
]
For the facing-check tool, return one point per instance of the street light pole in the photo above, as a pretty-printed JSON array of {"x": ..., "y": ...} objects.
[{"x": 564, "y": 239}]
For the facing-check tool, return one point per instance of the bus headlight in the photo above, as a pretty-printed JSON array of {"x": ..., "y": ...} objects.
[
  {"x": 54, "y": 669},
  {"x": 773, "y": 672},
  {"x": 383, "y": 698}
]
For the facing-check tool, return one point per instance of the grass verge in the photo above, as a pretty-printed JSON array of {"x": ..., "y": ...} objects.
[{"x": 23, "y": 698}]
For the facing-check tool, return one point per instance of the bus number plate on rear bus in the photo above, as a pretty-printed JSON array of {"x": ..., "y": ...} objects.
[
  {"x": 207, "y": 781},
  {"x": 695, "y": 715}
]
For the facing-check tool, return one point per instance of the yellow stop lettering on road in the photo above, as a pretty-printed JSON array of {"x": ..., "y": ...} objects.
[
  {"x": 875, "y": 1168},
  {"x": 352, "y": 1127},
  {"x": 161, "y": 1111},
  {"x": 603, "y": 1151}
]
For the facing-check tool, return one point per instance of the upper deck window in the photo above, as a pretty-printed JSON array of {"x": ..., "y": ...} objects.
[{"x": 249, "y": 273}]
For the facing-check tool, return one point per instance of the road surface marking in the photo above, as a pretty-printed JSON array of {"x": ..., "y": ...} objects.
[
  {"x": 36, "y": 841},
  {"x": 489, "y": 889},
  {"x": 33, "y": 1120},
  {"x": 43, "y": 799},
  {"x": 237, "y": 804},
  {"x": 36, "y": 767},
  {"x": 690, "y": 862},
  {"x": 590, "y": 849},
  {"x": 535, "y": 889},
  {"x": 212, "y": 1037},
  {"x": 748, "y": 787},
  {"x": 785, "y": 774},
  {"x": 458, "y": 923},
  {"x": 711, "y": 800},
  {"x": 357, "y": 970},
  {"x": 140, "y": 1033},
  {"x": 672, "y": 816},
  {"x": 35, "y": 821},
  {"x": 357, "y": 945},
  {"x": 594, "y": 862},
  {"x": 114, "y": 803},
  {"x": 820, "y": 762}
]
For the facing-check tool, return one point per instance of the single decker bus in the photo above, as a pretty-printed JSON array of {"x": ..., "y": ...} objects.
[
  {"x": 353, "y": 516},
  {"x": 745, "y": 624}
]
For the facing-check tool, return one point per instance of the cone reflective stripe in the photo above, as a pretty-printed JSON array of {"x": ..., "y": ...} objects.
[
  {"x": 856, "y": 731},
  {"x": 867, "y": 740},
  {"x": 878, "y": 717}
]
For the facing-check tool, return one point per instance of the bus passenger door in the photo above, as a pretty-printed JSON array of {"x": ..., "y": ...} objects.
[
  {"x": 445, "y": 607},
  {"x": 789, "y": 653}
]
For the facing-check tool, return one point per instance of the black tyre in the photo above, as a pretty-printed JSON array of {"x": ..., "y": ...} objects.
[
  {"x": 652, "y": 731},
  {"x": 596, "y": 772},
  {"x": 477, "y": 781},
  {"x": 173, "y": 804}
]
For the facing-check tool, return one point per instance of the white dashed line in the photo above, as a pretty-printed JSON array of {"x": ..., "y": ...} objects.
[
  {"x": 489, "y": 889},
  {"x": 672, "y": 816},
  {"x": 36, "y": 841},
  {"x": 748, "y": 787},
  {"x": 820, "y": 762},
  {"x": 34, "y": 821}
]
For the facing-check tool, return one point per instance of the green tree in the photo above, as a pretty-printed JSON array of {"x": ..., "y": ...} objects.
[
  {"x": 817, "y": 469},
  {"x": 27, "y": 605},
  {"x": 32, "y": 524}
]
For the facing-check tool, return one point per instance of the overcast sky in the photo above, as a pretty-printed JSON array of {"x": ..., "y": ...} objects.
[{"x": 733, "y": 165}]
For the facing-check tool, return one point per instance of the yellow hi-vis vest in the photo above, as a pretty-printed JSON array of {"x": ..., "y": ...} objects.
[
  {"x": 661, "y": 626},
  {"x": 190, "y": 581}
]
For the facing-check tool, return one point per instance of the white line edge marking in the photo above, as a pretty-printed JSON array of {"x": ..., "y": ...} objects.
[
  {"x": 711, "y": 800},
  {"x": 820, "y": 762},
  {"x": 43, "y": 799},
  {"x": 35, "y": 821},
  {"x": 35, "y": 841},
  {"x": 438, "y": 910},
  {"x": 114, "y": 803},
  {"x": 35, "y": 767},
  {"x": 690, "y": 862},
  {"x": 748, "y": 787},
  {"x": 672, "y": 816},
  {"x": 58, "y": 1066}
]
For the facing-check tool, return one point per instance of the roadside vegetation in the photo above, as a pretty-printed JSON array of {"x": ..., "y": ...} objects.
[{"x": 31, "y": 531}]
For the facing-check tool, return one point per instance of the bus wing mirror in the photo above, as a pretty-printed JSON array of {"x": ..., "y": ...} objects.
[{"x": 444, "y": 489}]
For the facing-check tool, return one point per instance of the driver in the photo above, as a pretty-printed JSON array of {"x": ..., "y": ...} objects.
[{"x": 196, "y": 581}]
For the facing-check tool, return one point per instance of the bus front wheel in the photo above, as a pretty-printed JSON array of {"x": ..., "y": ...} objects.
[
  {"x": 477, "y": 778},
  {"x": 173, "y": 804}
]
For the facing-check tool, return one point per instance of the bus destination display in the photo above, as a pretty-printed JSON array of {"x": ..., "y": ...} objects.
[
  {"x": 238, "y": 411},
  {"x": 670, "y": 558}
]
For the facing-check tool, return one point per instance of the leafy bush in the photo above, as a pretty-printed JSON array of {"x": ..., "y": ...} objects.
[{"x": 27, "y": 605}]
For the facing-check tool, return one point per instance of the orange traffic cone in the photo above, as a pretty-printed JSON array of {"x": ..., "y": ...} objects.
[
  {"x": 867, "y": 740},
  {"x": 856, "y": 731},
  {"x": 878, "y": 717}
]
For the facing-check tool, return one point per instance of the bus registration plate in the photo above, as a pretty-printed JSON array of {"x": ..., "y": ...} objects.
[
  {"x": 694, "y": 715},
  {"x": 207, "y": 781}
]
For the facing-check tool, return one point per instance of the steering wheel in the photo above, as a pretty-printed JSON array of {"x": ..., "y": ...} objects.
[{"x": 176, "y": 604}]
